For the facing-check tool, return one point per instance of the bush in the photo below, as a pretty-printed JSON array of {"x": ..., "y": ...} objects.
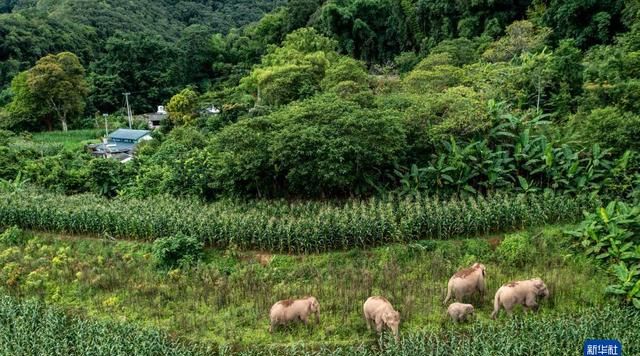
[
  {"x": 611, "y": 128},
  {"x": 12, "y": 236},
  {"x": 515, "y": 250},
  {"x": 477, "y": 247},
  {"x": 177, "y": 251}
]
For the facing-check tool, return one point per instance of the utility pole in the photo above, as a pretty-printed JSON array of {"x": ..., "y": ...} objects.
[
  {"x": 126, "y": 98},
  {"x": 106, "y": 127}
]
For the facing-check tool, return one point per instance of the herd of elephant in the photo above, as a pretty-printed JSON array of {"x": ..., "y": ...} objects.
[{"x": 464, "y": 283}]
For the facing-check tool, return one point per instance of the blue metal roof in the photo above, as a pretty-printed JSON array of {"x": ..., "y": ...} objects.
[{"x": 127, "y": 134}]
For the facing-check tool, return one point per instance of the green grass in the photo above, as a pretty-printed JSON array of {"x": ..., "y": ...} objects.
[
  {"x": 72, "y": 140},
  {"x": 225, "y": 300}
]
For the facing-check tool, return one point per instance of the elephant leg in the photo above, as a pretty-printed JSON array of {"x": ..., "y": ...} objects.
[
  {"x": 509, "y": 310},
  {"x": 368, "y": 321},
  {"x": 379, "y": 326},
  {"x": 459, "y": 296},
  {"x": 305, "y": 319}
]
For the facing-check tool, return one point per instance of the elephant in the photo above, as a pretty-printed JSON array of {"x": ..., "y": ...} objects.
[
  {"x": 519, "y": 292},
  {"x": 466, "y": 282},
  {"x": 289, "y": 310},
  {"x": 378, "y": 310},
  {"x": 459, "y": 312}
]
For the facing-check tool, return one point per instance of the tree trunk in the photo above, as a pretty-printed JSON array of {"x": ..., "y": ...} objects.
[{"x": 64, "y": 125}]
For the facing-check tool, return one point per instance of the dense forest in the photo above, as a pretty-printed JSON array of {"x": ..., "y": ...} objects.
[
  {"x": 146, "y": 47},
  {"x": 335, "y": 99}
]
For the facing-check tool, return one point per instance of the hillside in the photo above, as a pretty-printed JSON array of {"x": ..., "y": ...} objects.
[{"x": 141, "y": 32}]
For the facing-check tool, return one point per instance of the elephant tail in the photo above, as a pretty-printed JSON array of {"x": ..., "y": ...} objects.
[
  {"x": 448, "y": 294},
  {"x": 496, "y": 305}
]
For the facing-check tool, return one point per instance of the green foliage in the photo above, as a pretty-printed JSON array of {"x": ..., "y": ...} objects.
[
  {"x": 34, "y": 328},
  {"x": 58, "y": 88},
  {"x": 280, "y": 226},
  {"x": 177, "y": 251},
  {"x": 610, "y": 234},
  {"x": 610, "y": 127},
  {"x": 521, "y": 37},
  {"x": 405, "y": 61},
  {"x": 12, "y": 236},
  {"x": 182, "y": 107},
  {"x": 292, "y": 71},
  {"x": 515, "y": 154},
  {"x": 225, "y": 299},
  {"x": 437, "y": 79},
  {"x": 324, "y": 145},
  {"x": 515, "y": 250},
  {"x": 588, "y": 22}
]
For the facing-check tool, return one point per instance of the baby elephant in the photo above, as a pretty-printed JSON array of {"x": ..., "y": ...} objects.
[
  {"x": 519, "y": 292},
  {"x": 379, "y": 311},
  {"x": 289, "y": 310},
  {"x": 466, "y": 282},
  {"x": 459, "y": 312}
]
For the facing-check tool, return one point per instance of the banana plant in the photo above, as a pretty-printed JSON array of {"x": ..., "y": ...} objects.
[{"x": 628, "y": 283}]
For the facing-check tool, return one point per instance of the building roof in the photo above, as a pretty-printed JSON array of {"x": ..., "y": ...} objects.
[
  {"x": 114, "y": 147},
  {"x": 127, "y": 134}
]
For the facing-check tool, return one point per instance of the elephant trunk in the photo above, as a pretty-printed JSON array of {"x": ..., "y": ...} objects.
[
  {"x": 394, "y": 330},
  {"x": 317, "y": 316}
]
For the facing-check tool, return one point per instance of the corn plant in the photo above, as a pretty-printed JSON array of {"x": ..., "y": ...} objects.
[{"x": 287, "y": 227}]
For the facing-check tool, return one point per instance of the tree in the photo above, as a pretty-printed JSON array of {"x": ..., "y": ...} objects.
[
  {"x": 521, "y": 36},
  {"x": 58, "y": 83},
  {"x": 182, "y": 107},
  {"x": 588, "y": 22},
  {"x": 22, "y": 110},
  {"x": 292, "y": 71}
]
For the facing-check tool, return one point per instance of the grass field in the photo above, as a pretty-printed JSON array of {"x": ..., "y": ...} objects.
[
  {"x": 72, "y": 139},
  {"x": 225, "y": 300}
]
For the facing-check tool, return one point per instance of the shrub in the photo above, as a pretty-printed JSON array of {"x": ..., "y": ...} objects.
[
  {"x": 177, "y": 251},
  {"x": 610, "y": 127},
  {"x": 477, "y": 247},
  {"x": 515, "y": 250},
  {"x": 12, "y": 236}
]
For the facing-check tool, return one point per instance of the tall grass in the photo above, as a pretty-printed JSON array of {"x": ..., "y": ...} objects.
[{"x": 287, "y": 227}]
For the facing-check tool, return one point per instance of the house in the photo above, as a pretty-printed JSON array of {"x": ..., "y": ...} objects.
[
  {"x": 120, "y": 144},
  {"x": 211, "y": 110},
  {"x": 155, "y": 119}
]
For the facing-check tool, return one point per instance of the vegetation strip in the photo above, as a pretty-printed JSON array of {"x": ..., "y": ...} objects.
[
  {"x": 284, "y": 227},
  {"x": 32, "y": 328}
]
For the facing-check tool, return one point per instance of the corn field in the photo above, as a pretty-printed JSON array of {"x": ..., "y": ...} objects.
[
  {"x": 288, "y": 227},
  {"x": 30, "y": 328}
]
